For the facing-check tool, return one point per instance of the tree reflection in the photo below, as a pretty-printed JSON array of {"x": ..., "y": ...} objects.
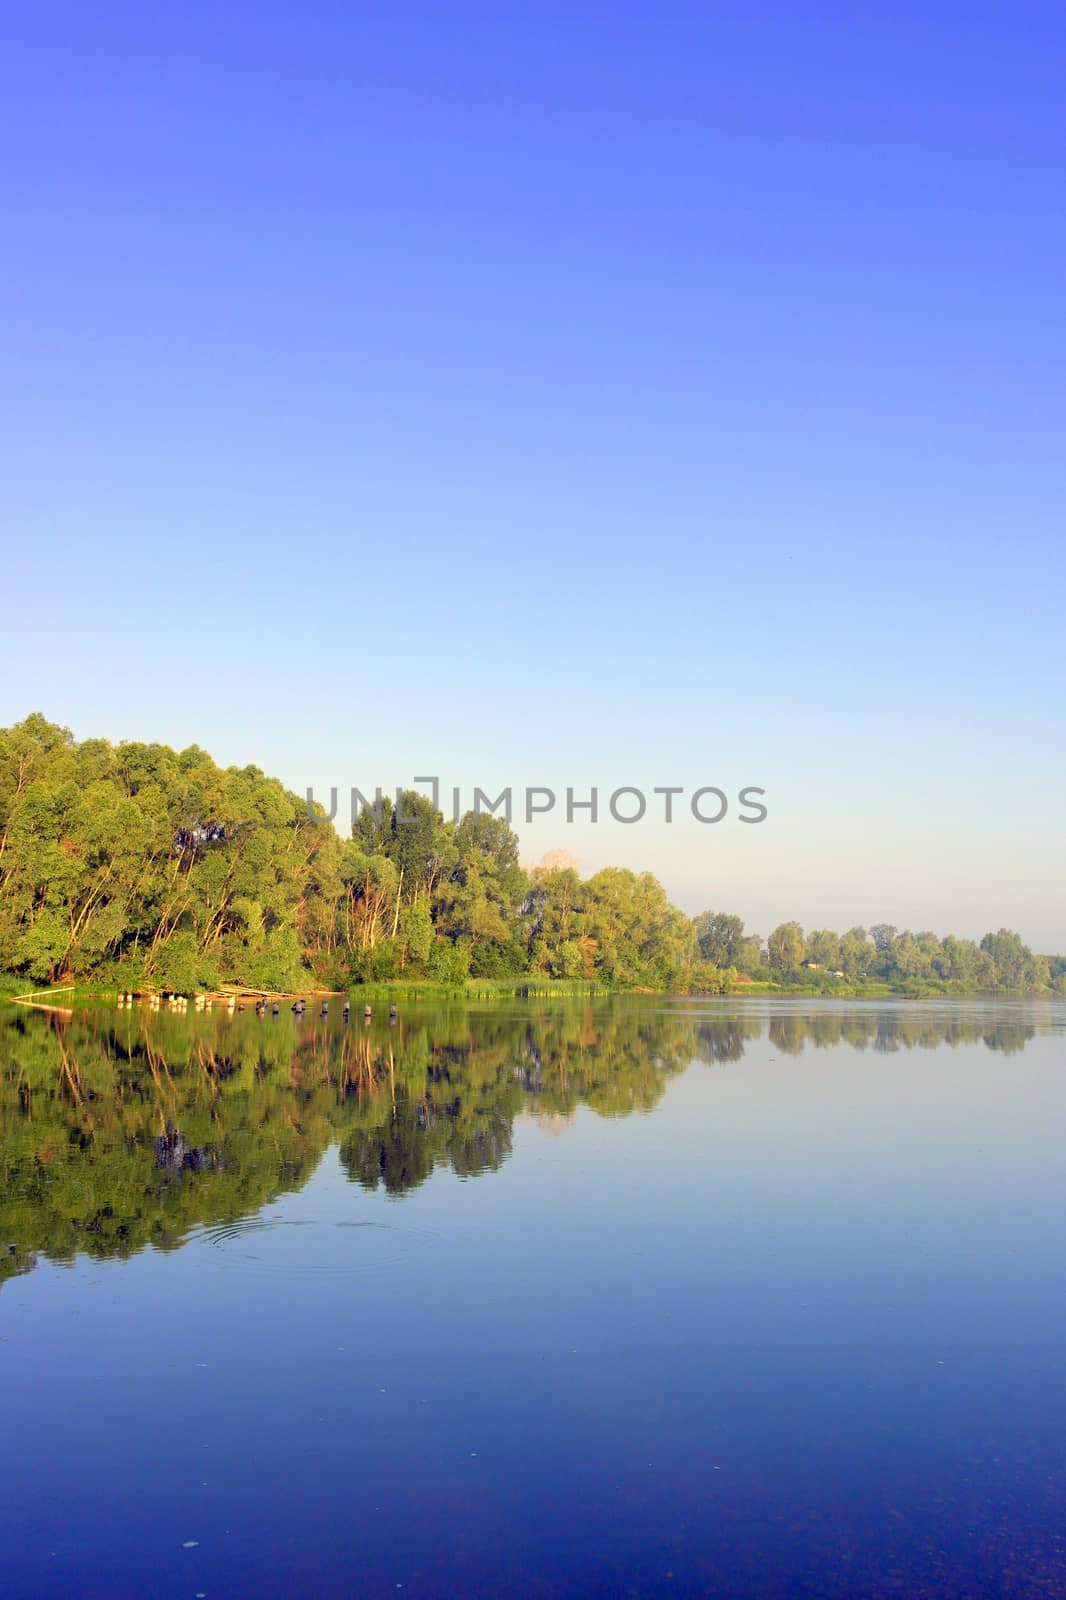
[{"x": 120, "y": 1131}]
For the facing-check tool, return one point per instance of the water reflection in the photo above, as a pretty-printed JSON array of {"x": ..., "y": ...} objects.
[{"x": 122, "y": 1131}]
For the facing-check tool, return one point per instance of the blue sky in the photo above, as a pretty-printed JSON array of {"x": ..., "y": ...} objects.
[{"x": 560, "y": 394}]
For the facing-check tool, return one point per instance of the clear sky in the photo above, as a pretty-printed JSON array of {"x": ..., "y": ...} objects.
[{"x": 566, "y": 394}]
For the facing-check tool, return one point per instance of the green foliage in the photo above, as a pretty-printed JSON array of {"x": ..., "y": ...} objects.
[
  {"x": 154, "y": 865},
  {"x": 449, "y": 964},
  {"x": 886, "y": 960},
  {"x": 784, "y": 947},
  {"x": 145, "y": 867},
  {"x": 720, "y": 938}
]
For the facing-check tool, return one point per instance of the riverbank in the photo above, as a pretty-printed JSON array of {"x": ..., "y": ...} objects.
[{"x": 15, "y": 990}]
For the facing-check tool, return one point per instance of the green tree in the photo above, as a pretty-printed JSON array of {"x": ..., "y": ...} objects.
[
  {"x": 784, "y": 947},
  {"x": 823, "y": 948},
  {"x": 720, "y": 938}
]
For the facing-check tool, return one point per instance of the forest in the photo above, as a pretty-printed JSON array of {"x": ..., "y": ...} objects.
[{"x": 135, "y": 866}]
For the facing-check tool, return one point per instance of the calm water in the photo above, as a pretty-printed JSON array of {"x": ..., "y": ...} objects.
[{"x": 624, "y": 1299}]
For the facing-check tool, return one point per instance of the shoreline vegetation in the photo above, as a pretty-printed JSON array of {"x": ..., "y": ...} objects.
[{"x": 134, "y": 868}]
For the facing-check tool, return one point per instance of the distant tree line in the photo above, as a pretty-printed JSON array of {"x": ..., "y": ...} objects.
[
  {"x": 137, "y": 865},
  {"x": 913, "y": 963}
]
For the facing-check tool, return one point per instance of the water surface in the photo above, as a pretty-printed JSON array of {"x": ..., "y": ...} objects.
[{"x": 639, "y": 1297}]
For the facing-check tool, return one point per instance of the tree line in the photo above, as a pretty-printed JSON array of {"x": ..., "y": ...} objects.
[
  {"x": 135, "y": 865},
  {"x": 912, "y": 963}
]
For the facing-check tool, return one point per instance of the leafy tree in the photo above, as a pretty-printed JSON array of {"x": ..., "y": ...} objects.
[
  {"x": 1015, "y": 965},
  {"x": 823, "y": 948},
  {"x": 785, "y": 947},
  {"x": 855, "y": 953},
  {"x": 720, "y": 938},
  {"x": 479, "y": 896}
]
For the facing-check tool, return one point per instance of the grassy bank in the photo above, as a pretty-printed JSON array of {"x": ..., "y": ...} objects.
[
  {"x": 483, "y": 989},
  {"x": 539, "y": 988}
]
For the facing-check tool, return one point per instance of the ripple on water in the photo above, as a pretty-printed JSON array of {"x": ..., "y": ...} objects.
[{"x": 307, "y": 1244}]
